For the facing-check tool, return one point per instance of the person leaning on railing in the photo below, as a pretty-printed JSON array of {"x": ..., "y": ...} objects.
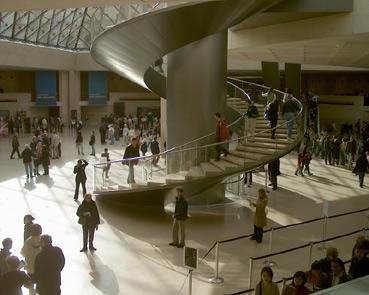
[
  {"x": 316, "y": 279},
  {"x": 132, "y": 151},
  {"x": 297, "y": 287},
  {"x": 266, "y": 286}
]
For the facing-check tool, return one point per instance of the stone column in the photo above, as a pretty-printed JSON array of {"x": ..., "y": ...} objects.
[
  {"x": 293, "y": 78},
  {"x": 271, "y": 75},
  {"x": 74, "y": 92}
]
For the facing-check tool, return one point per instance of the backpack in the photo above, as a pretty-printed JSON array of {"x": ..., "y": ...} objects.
[{"x": 223, "y": 131}]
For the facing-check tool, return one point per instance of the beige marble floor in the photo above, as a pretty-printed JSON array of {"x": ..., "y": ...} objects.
[{"x": 133, "y": 256}]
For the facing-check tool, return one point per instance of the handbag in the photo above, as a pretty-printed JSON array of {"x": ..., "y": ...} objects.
[
  {"x": 82, "y": 220},
  {"x": 266, "y": 115}
]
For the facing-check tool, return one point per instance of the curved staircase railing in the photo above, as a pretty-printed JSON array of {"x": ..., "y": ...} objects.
[{"x": 194, "y": 161}]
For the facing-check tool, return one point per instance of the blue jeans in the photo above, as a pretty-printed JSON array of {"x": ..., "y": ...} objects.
[
  {"x": 29, "y": 169},
  {"x": 361, "y": 178},
  {"x": 131, "y": 173},
  {"x": 289, "y": 117}
]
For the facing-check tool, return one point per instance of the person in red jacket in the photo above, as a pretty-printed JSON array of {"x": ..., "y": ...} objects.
[
  {"x": 300, "y": 160},
  {"x": 221, "y": 134}
]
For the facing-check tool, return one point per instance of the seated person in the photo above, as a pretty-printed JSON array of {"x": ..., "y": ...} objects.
[
  {"x": 316, "y": 279},
  {"x": 338, "y": 275},
  {"x": 360, "y": 262},
  {"x": 297, "y": 287}
]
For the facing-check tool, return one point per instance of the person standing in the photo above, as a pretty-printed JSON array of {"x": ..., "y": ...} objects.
[
  {"x": 270, "y": 95},
  {"x": 221, "y": 134},
  {"x": 266, "y": 286},
  {"x": 338, "y": 275},
  {"x": 27, "y": 160},
  {"x": 92, "y": 143},
  {"x": 32, "y": 248},
  {"x": 359, "y": 266},
  {"x": 289, "y": 109},
  {"x": 48, "y": 266},
  {"x": 351, "y": 151},
  {"x": 102, "y": 131},
  {"x": 28, "y": 222},
  {"x": 132, "y": 151},
  {"x": 247, "y": 177},
  {"x": 250, "y": 121},
  {"x": 15, "y": 146},
  {"x": 272, "y": 110},
  {"x": 79, "y": 143},
  {"x": 361, "y": 167},
  {"x": 89, "y": 218},
  {"x": 155, "y": 150},
  {"x": 297, "y": 287},
  {"x": 45, "y": 159},
  {"x": 273, "y": 170},
  {"x": 260, "y": 219},
  {"x": 105, "y": 159},
  {"x": 55, "y": 141},
  {"x": 4, "y": 253},
  {"x": 79, "y": 171},
  {"x": 179, "y": 218}
]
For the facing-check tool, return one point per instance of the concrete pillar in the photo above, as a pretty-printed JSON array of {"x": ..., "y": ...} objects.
[
  {"x": 64, "y": 97},
  {"x": 271, "y": 75},
  {"x": 74, "y": 92},
  {"x": 293, "y": 78},
  {"x": 196, "y": 88}
]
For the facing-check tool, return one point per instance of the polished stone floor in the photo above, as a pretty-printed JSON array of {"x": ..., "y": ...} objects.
[{"x": 133, "y": 256}]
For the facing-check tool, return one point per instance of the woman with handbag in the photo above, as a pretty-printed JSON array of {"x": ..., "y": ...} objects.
[
  {"x": 89, "y": 218},
  {"x": 260, "y": 215},
  {"x": 266, "y": 286}
]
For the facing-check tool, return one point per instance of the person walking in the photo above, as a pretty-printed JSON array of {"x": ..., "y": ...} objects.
[
  {"x": 179, "y": 218},
  {"x": 45, "y": 159},
  {"x": 351, "y": 151},
  {"x": 221, "y": 134},
  {"x": 79, "y": 171},
  {"x": 155, "y": 150},
  {"x": 289, "y": 109},
  {"x": 32, "y": 248},
  {"x": 102, "y": 130},
  {"x": 247, "y": 178},
  {"x": 266, "y": 286},
  {"x": 105, "y": 159},
  {"x": 79, "y": 143},
  {"x": 89, "y": 218},
  {"x": 250, "y": 116},
  {"x": 269, "y": 95},
  {"x": 92, "y": 143},
  {"x": 361, "y": 167},
  {"x": 55, "y": 141},
  {"x": 273, "y": 170},
  {"x": 260, "y": 219},
  {"x": 48, "y": 266},
  {"x": 15, "y": 146},
  {"x": 27, "y": 160},
  {"x": 272, "y": 110},
  {"x": 132, "y": 151},
  {"x": 28, "y": 222}
]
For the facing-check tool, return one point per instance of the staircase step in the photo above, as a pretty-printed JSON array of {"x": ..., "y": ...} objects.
[
  {"x": 175, "y": 178},
  {"x": 195, "y": 172},
  {"x": 269, "y": 140},
  {"x": 268, "y": 135},
  {"x": 266, "y": 144},
  {"x": 156, "y": 181},
  {"x": 209, "y": 169},
  {"x": 224, "y": 165},
  {"x": 234, "y": 99},
  {"x": 247, "y": 155},
  {"x": 238, "y": 160},
  {"x": 256, "y": 150}
]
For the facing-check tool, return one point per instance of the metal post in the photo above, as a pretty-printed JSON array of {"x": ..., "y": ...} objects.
[
  {"x": 284, "y": 282},
  {"x": 310, "y": 254},
  {"x": 216, "y": 279},
  {"x": 325, "y": 222},
  {"x": 190, "y": 282},
  {"x": 266, "y": 179},
  {"x": 251, "y": 265},
  {"x": 269, "y": 262}
]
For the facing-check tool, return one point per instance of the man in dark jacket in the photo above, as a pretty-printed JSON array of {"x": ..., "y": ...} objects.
[
  {"x": 48, "y": 265},
  {"x": 180, "y": 215},
  {"x": 360, "y": 262},
  {"x": 273, "y": 115},
  {"x": 361, "y": 167},
  {"x": 288, "y": 111},
  {"x": 27, "y": 160},
  {"x": 273, "y": 170},
  {"x": 79, "y": 171},
  {"x": 155, "y": 150},
  {"x": 132, "y": 151},
  {"x": 15, "y": 146}
]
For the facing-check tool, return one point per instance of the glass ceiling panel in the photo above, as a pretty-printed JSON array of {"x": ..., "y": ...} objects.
[{"x": 69, "y": 29}]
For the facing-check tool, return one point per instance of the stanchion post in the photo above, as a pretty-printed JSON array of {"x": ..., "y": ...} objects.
[
  {"x": 251, "y": 266},
  {"x": 190, "y": 282},
  {"x": 216, "y": 279},
  {"x": 310, "y": 254},
  {"x": 269, "y": 262}
]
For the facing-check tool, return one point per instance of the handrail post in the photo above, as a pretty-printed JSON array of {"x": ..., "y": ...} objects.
[
  {"x": 251, "y": 266},
  {"x": 190, "y": 282},
  {"x": 310, "y": 254},
  {"x": 269, "y": 262},
  {"x": 266, "y": 178},
  {"x": 284, "y": 282},
  {"x": 216, "y": 279}
]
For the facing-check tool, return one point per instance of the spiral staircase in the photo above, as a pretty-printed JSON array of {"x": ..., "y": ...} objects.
[{"x": 132, "y": 47}]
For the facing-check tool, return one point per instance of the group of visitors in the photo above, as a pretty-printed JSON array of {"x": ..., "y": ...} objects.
[{"x": 325, "y": 273}]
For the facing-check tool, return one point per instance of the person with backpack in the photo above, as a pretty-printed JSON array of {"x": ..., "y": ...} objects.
[
  {"x": 221, "y": 134},
  {"x": 250, "y": 121}
]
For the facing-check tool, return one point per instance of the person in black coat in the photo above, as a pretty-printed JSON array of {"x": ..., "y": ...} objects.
[
  {"x": 273, "y": 115},
  {"x": 361, "y": 168},
  {"x": 28, "y": 222},
  {"x": 132, "y": 151},
  {"x": 90, "y": 219},
  {"x": 79, "y": 171},
  {"x": 180, "y": 215},
  {"x": 15, "y": 147},
  {"x": 48, "y": 265},
  {"x": 45, "y": 159},
  {"x": 92, "y": 143},
  {"x": 27, "y": 160},
  {"x": 102, "y": 131},
  {"x": 155, "y": 150},
  {"x": 360, "y": 262},
  {"x": 273, "y": 170}
]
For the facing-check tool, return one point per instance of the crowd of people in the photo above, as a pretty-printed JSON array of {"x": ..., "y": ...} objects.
[{"x": 327, "y": 272}]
